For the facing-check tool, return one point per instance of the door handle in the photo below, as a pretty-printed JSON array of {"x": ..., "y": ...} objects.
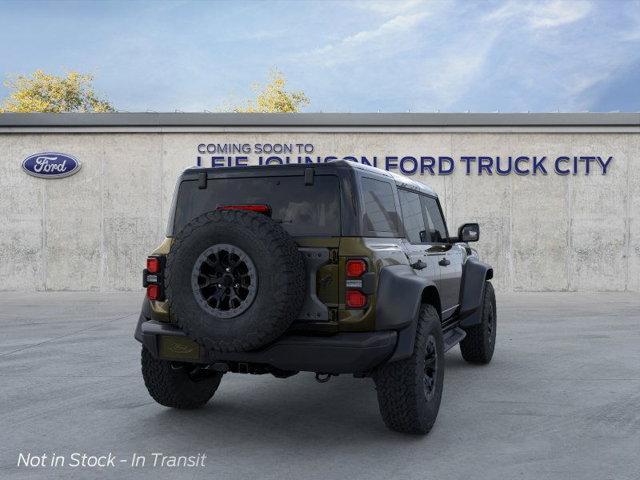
[
  {"x": 419, "y": 265},
  {"x": 444, "y": 262}
]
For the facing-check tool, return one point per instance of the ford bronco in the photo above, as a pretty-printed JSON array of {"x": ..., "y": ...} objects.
[{"x": 335, "y": 268}]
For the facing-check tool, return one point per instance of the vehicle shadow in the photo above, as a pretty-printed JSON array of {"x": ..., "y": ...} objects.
[
  {"x": 295, "y": 409},
  {"x": 293, "y": 412}
]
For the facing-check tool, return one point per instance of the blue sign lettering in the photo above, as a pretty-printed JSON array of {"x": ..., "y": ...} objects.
[{"x": 480, "y": 165}]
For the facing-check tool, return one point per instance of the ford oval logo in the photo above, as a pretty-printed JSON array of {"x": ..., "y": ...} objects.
[
  {"x": 51, "y": 165},
  {"x": 179, "y": 348}
]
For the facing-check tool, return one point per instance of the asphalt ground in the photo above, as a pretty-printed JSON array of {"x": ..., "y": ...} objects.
[{"x": 561, "y": 400}]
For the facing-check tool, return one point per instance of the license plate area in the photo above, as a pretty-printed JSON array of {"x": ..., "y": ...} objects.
[{"x": 178, "y": 348}]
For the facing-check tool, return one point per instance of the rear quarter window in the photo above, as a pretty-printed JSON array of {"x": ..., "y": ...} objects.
[{"x": 380, "y": 214}]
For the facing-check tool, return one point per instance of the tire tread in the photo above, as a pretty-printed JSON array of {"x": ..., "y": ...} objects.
[
  {"x": 399, "y": 383},
  {"x": 173, "y": 388},
  {"x": 475, "y": 347}
]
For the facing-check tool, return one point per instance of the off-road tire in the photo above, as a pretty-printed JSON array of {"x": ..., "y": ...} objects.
[
  {"x": 281, "y": 282},
  {"x": 171, "y": 384},
  {"x": 403, "y": 403},
  {"x": 478, "y": 346}
]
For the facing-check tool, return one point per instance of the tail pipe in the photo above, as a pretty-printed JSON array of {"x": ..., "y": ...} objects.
[{"x": 323, "y": 377}]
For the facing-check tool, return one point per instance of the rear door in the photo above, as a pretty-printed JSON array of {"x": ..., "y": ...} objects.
[
  {"x": 309, "y": 212},
  {"x": 449, "y": 256},
  {"x": 417, "y": 236}
]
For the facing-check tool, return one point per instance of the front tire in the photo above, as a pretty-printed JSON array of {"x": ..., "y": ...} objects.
[
  {"x": 479, "y": 344},
  {"x": 410, "y": 390},
  {"x": 178, "y": 385}
]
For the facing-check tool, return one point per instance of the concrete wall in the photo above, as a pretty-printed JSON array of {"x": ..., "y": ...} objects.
[{"x": 93, "y": 230}]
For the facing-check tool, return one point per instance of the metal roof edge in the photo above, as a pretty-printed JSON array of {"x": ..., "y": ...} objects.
[{"x": 355, "y": 120}]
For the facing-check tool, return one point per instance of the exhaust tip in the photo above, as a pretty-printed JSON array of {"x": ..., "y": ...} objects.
[{"x": 323, "y": 377}]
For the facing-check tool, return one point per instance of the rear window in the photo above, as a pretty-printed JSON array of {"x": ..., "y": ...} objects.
[{"x": 302, "y": 210}]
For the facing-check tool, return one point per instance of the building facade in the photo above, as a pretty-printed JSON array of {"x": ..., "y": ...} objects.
[{"x": 557, "y": 195}]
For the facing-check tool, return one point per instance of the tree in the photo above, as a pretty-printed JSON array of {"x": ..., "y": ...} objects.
[
  {"x": 42, "y": 92},
  {"x": 274, "y": 98}
]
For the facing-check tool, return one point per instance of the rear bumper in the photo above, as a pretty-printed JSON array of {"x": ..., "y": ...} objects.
[{"x": 340, "y": 353}]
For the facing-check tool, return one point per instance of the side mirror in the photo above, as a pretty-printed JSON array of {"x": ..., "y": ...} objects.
[{"x": 469, "y": 232}]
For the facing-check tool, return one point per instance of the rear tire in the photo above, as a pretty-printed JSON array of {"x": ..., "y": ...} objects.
[
  {"x": 410, "y": 390},
  {"x": 178, "y": 385},
  {"x": 479, "y": 344}
]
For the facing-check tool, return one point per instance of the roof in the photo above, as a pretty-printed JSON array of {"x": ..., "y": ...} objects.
[
  {"x": 298, "y": 169},
  {"x": 399, "y": 180},
  {"x": 279, "y": 121},
  {"x": 407, "y": 182}
]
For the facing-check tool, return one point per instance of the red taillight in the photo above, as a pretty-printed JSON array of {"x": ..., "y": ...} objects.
[
  {"x": 356, "y": 268},
  {"x": 252, "y": 208},
  {"x": 356, "y": 299},
  {"x": 153, "y": 265},
  {"x": 152, "y": 278},
  {"x": 153, "y": 292}
]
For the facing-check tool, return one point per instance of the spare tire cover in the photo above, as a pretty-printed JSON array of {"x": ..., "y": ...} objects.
[{"x": 234, "y": 280}]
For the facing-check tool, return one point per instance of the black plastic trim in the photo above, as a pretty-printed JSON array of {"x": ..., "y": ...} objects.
[
  {"x": 452, "y": 337},
  {"x": 313, "y": 309},
  {"x": 474, "y": 275},
  {"x": 308, "y": 176},
  {"x": 368, "y": 283},
  {"x": 202, "y": 180},
  {"x": 399, "y": 297},
  {"x": 146, "y": 314},
  {"x": 340, "y": 353}
]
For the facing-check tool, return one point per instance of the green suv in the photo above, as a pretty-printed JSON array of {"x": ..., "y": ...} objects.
[{"x": 335, "y": 268}]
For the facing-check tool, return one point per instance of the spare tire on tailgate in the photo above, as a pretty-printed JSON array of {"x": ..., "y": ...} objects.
[{"x": 234, "y": 279}]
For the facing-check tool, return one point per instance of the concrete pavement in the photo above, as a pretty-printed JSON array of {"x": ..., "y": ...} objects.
[{"x": 560, "y": 400}]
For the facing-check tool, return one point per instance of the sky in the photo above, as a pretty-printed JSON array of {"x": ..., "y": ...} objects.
[{"x": 347, "y": 56}]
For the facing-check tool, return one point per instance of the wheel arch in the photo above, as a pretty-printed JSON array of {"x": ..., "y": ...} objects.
[
  {"x": 401, "y": 294},
  {"x": 474, "y": 275},
  {"x": 431, "y": 296}
]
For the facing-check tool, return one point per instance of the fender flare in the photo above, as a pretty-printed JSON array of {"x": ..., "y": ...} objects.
[
  {"x": 474, "y": 275},
  {"x": 400, "y": 294}
]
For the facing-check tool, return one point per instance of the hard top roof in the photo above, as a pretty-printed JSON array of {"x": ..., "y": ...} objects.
[{"x": 399, "y": 180}]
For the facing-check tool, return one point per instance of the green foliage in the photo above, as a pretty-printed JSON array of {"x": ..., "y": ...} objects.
[
  {"x": 42, "y": 92},
  {"x": 274, "y": 98}
]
